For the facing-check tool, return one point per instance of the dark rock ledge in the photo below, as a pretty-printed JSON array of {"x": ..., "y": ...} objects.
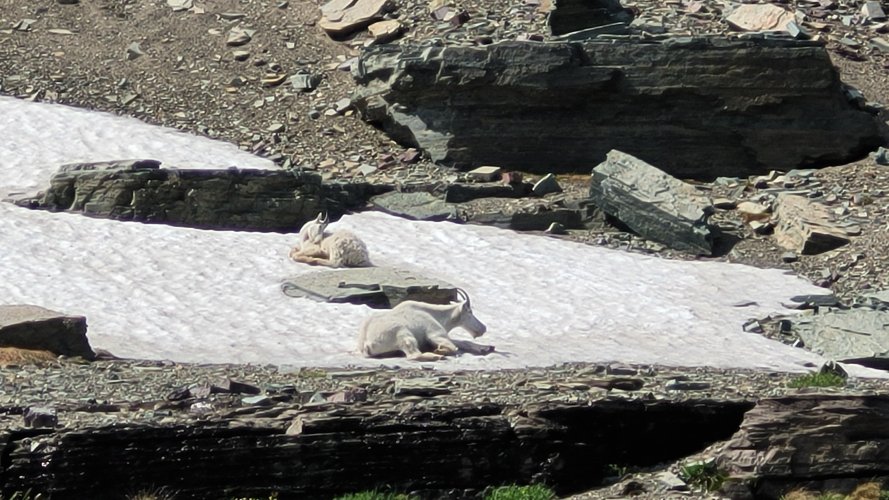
[{"x": 96, "y": 430}]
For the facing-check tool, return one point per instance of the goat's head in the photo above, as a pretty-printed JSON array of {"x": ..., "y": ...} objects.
[
  {"x": 467, "y": 319},
  {"x": 313, "y": 231}
]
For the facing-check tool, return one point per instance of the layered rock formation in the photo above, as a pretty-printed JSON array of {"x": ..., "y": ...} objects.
[
  {"x": 823, "y": 442},
  {"x": 695, "y": 107},
  {"x": 36, "y": 328},
  {"x": 234, "y": 199}
]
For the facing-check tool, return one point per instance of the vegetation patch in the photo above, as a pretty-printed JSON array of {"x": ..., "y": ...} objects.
[
  {"x": 702, "y": 475},
  {"x": 818, "y": 380}
]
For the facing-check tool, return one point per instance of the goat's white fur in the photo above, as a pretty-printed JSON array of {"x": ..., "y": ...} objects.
[
  {"x": 415, "y": 328},
  {"x": 340, "y": 248}
]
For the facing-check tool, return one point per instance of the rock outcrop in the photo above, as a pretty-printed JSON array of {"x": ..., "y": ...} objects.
[
  {"x": 695, "y": 107},
  {"x": 36, "y": 328},
  {"x": 825, "y": 442},
  {"x": 658, "y": 207},
  {"x": 377, "y": 287},
  {"x": 808, "y": 227},
  {"x": 330, "y": 449},
  {"x": 233, "y": 199}
]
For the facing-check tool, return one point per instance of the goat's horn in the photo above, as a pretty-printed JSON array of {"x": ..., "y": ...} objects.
[
  {"x": 325, "y": 220},
  {"x": 463, "y": 295},
  {"x": 320, "y": 217}
]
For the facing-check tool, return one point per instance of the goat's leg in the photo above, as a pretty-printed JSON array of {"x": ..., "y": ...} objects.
[
  {"x": 443, "y": 345},
  {"x": 312, "y": 261},
  {"x": 408, "y": 344}
]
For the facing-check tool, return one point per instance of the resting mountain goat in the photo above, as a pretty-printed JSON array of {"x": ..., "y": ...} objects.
[
  {"x": 335, "y": 249},
  {"x": 414, "y": 327}
]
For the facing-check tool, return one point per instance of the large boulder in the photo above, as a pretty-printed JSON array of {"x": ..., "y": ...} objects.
[
  {"x": 695, "y": 107},
  {"x": 36, "y": 328},
  {"x": 658, "y": 207},
  {"x": 239, "y": 199},
  {"x": 821, "y": 441}
]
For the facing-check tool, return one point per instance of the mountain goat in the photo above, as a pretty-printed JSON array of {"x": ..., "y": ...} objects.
[
  {"x": 413, "y": 327},
  {"x": 334, "y": 249}
]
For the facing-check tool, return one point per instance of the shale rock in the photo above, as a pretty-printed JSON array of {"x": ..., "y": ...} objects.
[
  {"x": 341, "y": 17},
  {"x": 377, "y": 287},
  {"x": 807, "y": 227},
  {"x": 696, "y": 107},
  {"x": 655, "y": 205},
  {"x": 851, "y": 336},
  {"x": 35, "y": 328},
  {"x": 239, "y": 199},
  {"x": 825, "y": 442}
]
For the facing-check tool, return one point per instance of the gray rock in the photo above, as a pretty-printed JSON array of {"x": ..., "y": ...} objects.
[
  {"x": 692, "y": 106},
  {"x": 881, "y": 156},
  {"x": 33, "y": 327},
  {"x": 415, "y": 206},
  {"x": 873, "y": 10},
  {"x": 304, "y": 81},
  {"x": 655, "y": 205},
  {"x": 134, "y": 51},
  {"x": 856, "y": 335},
  {"x": 540, "y": 219},
  {"x": 573, "y": 15},
  {"x": 239, "y": 36},
  {"x": 245, "y": 199},
  {"x": 422, "y": 387},
  {"x": 378, "y": 287},
  {"x": 548, "y": 184},
  {"x": 40, "y": 416},
  {"x": 179, "y": 5}
]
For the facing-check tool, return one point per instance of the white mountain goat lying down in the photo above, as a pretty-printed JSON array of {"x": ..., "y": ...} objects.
[
  {"x": 340, "y": 248},
  {"x": 415, "y": 328}
]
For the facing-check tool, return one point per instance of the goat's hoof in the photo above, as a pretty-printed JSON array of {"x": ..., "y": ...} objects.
[{"x": 444, "y": 351}]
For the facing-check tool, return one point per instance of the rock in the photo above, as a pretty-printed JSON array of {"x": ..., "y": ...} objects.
[
  {"x": 760, "y": 17},
  {"x": 806, "y": 227},
  {"x": 33, "y": 327},
  {"x": 15, "y": 356},
  {"x": 751, "y": 211},
  {"x": 484, "y": 173},
  {"x": 68, "y": 2},
  {"x": 415, "y": 206},
  {"x": 692, "y": 106},
  {"x": 812, "y": 441},
  {"x": 881, "y": 156},
  {"x": 40, "y": 416},
  {"x": 566, "y": 16},
  {"x": 873, "y": 10},
  {"x": 850, "y": 336},
  {"x": 341, "y": 17},
  {"x": 180, "y": 5},
  {"x": 425, "y": 387},
  {"x": 385, "y": 31},
  {"x": 134, "y": 51},
  {"x": 461, "y": 193},
  {"x": 245, "y": 199},
  {"x": 658, "y": 207},
  {"x": 241, "y": 55},
  {"x": 239, "y": 36},
  {"x": 548, "y": 184},
  {"x": 377, "y": 287},
  {"x": 342, "y": 105},
  {"x": 789, "y": 257},
  {"x": 304, "y": 81}
]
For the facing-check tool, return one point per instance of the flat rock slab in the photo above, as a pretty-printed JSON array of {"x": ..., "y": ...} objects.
[
  {"x": 377, "y": 287},
  {"x": 807, "y": 227},
  {"x": 696, "y": 107},
  {"x": 37, "y": 328},
  {"x": 416, "y": 206},
  {"x": 341, "y": 17},
  {"x": 655, "y": 205},
  {"x": 851, "y": 336}
]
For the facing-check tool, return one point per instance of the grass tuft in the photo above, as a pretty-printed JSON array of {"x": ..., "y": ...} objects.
[
  {"x": 702, "y": 475},
  {"x": 818, "y": 380},
  {"x": 513, "y": 492}
]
